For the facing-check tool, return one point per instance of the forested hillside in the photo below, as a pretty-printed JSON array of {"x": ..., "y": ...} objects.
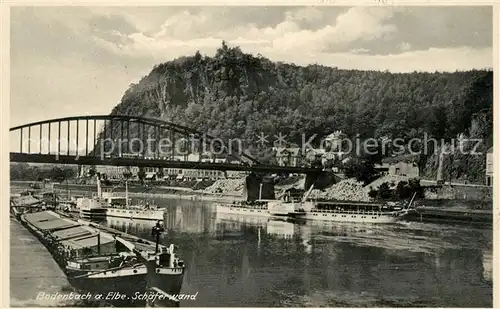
[{"x": 239, "y": 95}]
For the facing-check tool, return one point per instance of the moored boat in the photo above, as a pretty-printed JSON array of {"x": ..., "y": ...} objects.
[
  {"x": 352, "y": 212},
  {"x": 142, "y": 211},
  {"x": 287, "y": 206},
  {"x": 93, "y": 261},
  {"x": 165, "y": 270},
  {"x": 255, "y": 208},
  {"x": 355, "y": 212},
  {"x": 93, "y": 208},
  {"x": 114, "y": 198}
]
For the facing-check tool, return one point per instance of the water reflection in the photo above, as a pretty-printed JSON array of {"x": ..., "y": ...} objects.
[
  {"x": 488, "y": 265},
  {"x": 239, "y": 261}
]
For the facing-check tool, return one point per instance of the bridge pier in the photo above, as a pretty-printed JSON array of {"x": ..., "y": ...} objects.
[
  {"x": 257, "y": 186},
  {"x": 320, "y": 180}
]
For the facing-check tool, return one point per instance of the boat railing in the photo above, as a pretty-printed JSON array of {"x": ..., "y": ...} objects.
[
  {"x": 260, "y": 207},
  {"x": 349, "y": 212}
]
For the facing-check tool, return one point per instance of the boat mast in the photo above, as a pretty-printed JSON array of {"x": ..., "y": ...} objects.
[
  {"x": 304, "y": 198},
  {"x": 67, "y": 188},
  {"x": 156, "y": 231},
  {"x": 126, "y": 193},
  {"x": 411, "y": 201},
  {"x": 99, "y": 193},
  {"x": 99, "y": 243}
]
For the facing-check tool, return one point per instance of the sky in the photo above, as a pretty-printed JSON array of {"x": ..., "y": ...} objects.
[{"x": 70, "y": 61}]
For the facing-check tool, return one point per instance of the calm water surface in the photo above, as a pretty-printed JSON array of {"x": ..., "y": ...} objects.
[{"x": 250, "y": 261}]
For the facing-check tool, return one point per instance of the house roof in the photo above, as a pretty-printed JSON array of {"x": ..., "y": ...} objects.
[
  {"x": 220, "y": 156},
  {"x": 335, "y": 135},
  {"x": 318, "y": 151},
  {"x": 490, "y": 150},
  {"x": 285, "y": 151}
]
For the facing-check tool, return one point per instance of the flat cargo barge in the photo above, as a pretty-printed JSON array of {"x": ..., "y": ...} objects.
[
  {"x": 100, "y": 262},
  {"x": 451, "y": 215}
]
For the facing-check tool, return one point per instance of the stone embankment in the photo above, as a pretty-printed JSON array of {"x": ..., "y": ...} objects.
[
  {"x": 345, "y": 190},
  {"x": 391, "y": 180},
  {"x": 352, "y": 190},
  {"x": 227, "y": 187}
]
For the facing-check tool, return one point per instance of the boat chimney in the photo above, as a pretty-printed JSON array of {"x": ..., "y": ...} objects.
[
  {"x": 99, "y": 243},
  {"x": 99, "y": 191},
  {"x": 172, "y": 256},
  {"x": 260, "y": 192},
  {"x": 156, "y": 231},
  {"x": 439, "y": 176}
]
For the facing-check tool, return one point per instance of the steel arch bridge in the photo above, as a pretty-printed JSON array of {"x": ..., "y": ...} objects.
[{"x": 148, "y": 142}]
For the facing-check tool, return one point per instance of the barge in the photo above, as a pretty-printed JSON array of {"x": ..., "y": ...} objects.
[{"x": 99, "y": 261}]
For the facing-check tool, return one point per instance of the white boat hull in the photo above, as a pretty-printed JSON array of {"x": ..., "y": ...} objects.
[
  {"x": 92, "y": 209},
  {"x": 228, "y": 209},
  {"x": 135, "y": 214},
  {"x": 355, "y": 217},
  {"x": 279, "y": 208}
]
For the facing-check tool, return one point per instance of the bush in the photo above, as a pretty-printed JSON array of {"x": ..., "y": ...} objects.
[
  {"x": 406, "y": 190},
  {"x": 384, "y": 191},
  {"x": 373, "y": 193}
]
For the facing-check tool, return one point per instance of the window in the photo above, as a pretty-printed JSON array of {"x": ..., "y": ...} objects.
[{"x": 397, "y": 170}]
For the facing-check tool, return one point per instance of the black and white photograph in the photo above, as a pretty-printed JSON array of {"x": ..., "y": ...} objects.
[{"x": 250, "y": 156}]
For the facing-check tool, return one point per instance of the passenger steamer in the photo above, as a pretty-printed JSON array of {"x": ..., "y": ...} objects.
[
  {"x": 109, "y": 204},
  {"x": 287, "y": 206},
  {"x": 123, "y": 209},
  {"x": 93, "y": 208},
  {"x": 355, "y": 212},
  {"x": 336, "y": 211}
]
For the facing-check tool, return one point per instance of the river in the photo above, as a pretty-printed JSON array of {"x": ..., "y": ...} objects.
[{"x": 249, "y": 261}]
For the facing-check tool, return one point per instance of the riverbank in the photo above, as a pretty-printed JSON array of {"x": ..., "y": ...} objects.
[
  {"x": 454, "y": 215},
  {"x": 33, "y": 270},
  {"x": 432, "y": 210},
  {"x": 178, "y": 195}
]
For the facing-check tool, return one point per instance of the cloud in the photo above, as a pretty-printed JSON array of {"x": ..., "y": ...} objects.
[
  {"x": 346, "y": 40},
  {"x": 405, "y": 46},
  {"x": 65, "y": 60},
  {"x": 186, "y": 28},
  {"x": 433, "y": 59}
]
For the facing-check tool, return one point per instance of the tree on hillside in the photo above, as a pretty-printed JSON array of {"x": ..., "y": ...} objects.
[
  {"x": 127, "y": 174},
  {"x": 58, "y": 174},
  {"x": 92, "y": 171},
  {"x": 160, "y": 173},
  {"x": 406, "y": 189},
  {"x": 141, "y": 174},
  {"x": 384, "y": 191},
  {"x": 362, "y": 169},
  {"x": 238, "y": 95}
]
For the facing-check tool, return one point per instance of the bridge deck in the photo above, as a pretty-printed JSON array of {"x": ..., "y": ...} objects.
[{"x": 160, "y": 163}]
